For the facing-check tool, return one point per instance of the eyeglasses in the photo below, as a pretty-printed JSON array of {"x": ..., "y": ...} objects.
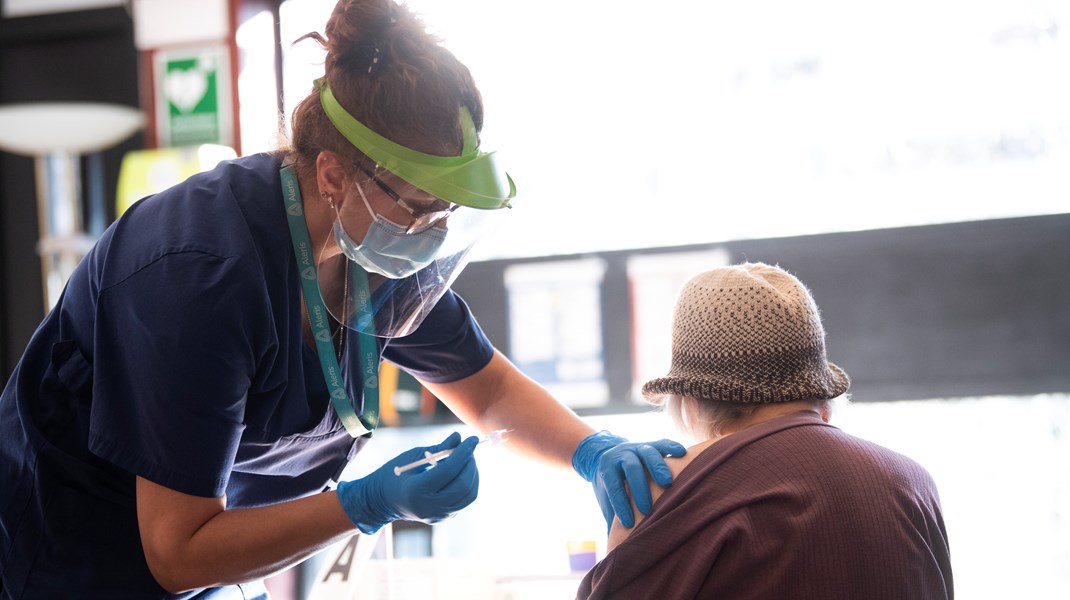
[{"x": 424, "y": 216}]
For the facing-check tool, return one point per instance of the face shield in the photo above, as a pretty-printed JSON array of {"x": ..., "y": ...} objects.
[
  {"x": 378, "y": 301},
  {"x": 382, "y": 306}
]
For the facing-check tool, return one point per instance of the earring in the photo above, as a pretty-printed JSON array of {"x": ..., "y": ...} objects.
[{"x": 329, "y": 198}]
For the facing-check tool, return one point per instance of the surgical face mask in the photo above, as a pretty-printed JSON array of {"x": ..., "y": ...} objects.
[{"x": 387, "y": 249}]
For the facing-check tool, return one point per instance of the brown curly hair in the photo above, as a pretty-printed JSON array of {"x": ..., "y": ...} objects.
[{"x": 393, "y": 76}]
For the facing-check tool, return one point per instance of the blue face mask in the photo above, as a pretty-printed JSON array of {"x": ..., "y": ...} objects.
[{"x": 387, "y": 249}]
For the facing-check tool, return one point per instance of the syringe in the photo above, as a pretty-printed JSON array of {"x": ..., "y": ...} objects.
[{"x": 431, "y": 458}]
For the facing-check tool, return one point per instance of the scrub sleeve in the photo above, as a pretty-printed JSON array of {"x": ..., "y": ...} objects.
[{"x": 177, "y": 346}]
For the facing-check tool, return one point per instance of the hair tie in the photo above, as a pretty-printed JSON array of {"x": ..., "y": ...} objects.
[
  {"x": 373, "y": 65},
  {"x": 367, "y": 57}
]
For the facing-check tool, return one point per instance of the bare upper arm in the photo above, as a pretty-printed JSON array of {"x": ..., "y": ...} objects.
[
  {"x": 617, "y": 532},
  {"x": 500, "y": 396},
  {"x": 472, "y": 396}
]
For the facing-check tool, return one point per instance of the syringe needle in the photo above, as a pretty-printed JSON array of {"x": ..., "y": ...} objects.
[{"x": 494, "y": 437}]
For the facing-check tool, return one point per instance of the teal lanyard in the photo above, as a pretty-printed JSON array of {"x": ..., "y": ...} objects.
[{"x": 321, "y": 331}]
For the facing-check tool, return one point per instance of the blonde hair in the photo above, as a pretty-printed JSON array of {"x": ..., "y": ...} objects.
[{"x": 703, "y": 419}]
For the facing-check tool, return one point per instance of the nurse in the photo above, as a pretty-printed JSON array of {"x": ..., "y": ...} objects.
[{"x": 177, "y": 423}]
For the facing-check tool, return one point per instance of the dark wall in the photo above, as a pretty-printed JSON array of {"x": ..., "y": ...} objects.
[
  {"x": 85, "y": 56},
  {"x": 945, "y": 311},
  {"x": 912, "y": 313}
]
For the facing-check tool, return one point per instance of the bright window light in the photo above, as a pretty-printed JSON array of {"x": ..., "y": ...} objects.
[
  {"x": 627, "y": 127},
  {"x": 256, "y": 84}
]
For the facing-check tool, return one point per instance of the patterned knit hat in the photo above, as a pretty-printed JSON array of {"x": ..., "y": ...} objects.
[{"x": 748, "y": 333}]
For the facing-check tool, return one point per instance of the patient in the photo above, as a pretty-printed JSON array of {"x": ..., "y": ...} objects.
[{"x": 773, "y": 502}]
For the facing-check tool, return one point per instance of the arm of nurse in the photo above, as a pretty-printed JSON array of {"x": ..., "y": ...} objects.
[
  {"x": 192, "y": 542},
  {"x": 500, "y": 396}
]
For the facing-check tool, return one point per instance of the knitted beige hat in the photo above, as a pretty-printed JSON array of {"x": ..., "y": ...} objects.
[{"x": 748, "y": 333}]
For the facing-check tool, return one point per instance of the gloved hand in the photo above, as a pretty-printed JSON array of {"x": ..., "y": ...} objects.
[
  {"x": 424, "y": 494},
  {"x": 608, "y": 461}
]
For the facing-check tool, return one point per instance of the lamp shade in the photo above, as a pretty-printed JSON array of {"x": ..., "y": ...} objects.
[{"x": 38, "y": 128}]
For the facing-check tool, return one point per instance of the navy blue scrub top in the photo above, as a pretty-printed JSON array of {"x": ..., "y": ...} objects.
[{"x": 176, "y": 354}]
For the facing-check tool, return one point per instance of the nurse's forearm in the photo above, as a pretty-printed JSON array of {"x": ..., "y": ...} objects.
[
  {"x": 193, "y": 542},
  {"x": 501, "y": 397}
]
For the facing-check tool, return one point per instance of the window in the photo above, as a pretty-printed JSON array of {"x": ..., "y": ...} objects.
[{"x": 701, "y": 122}]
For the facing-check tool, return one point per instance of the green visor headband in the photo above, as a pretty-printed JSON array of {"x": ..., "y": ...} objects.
[{"x": 472, "y": 179}]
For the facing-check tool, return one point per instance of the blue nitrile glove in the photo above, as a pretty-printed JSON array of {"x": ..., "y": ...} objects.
[
  {"x": 424, "y": 494},
  {"x": 608, "y": 461}
]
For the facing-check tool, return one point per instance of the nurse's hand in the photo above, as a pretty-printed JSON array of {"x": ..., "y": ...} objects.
[
  {"x": 614, "y": 465},
  {"x": 426, "y": 494}
]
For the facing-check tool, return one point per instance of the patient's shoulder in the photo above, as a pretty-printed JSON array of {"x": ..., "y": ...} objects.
[{"x": 617, "y": 532}]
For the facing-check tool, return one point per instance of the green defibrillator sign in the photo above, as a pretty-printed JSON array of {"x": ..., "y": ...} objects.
[{"x": 193, "y": 91}]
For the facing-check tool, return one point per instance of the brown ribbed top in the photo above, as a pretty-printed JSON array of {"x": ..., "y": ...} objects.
[{"x": 789, "y": 509}]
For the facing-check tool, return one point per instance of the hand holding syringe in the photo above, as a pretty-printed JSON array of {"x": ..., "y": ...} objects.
[{"x": 495, "y": 437}]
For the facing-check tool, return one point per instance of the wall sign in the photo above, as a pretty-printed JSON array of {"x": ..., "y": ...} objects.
[{"x": 193, "y": 97}]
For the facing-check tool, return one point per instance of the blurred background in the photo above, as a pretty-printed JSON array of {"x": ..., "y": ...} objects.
[{"x": 909, "y": 161}]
